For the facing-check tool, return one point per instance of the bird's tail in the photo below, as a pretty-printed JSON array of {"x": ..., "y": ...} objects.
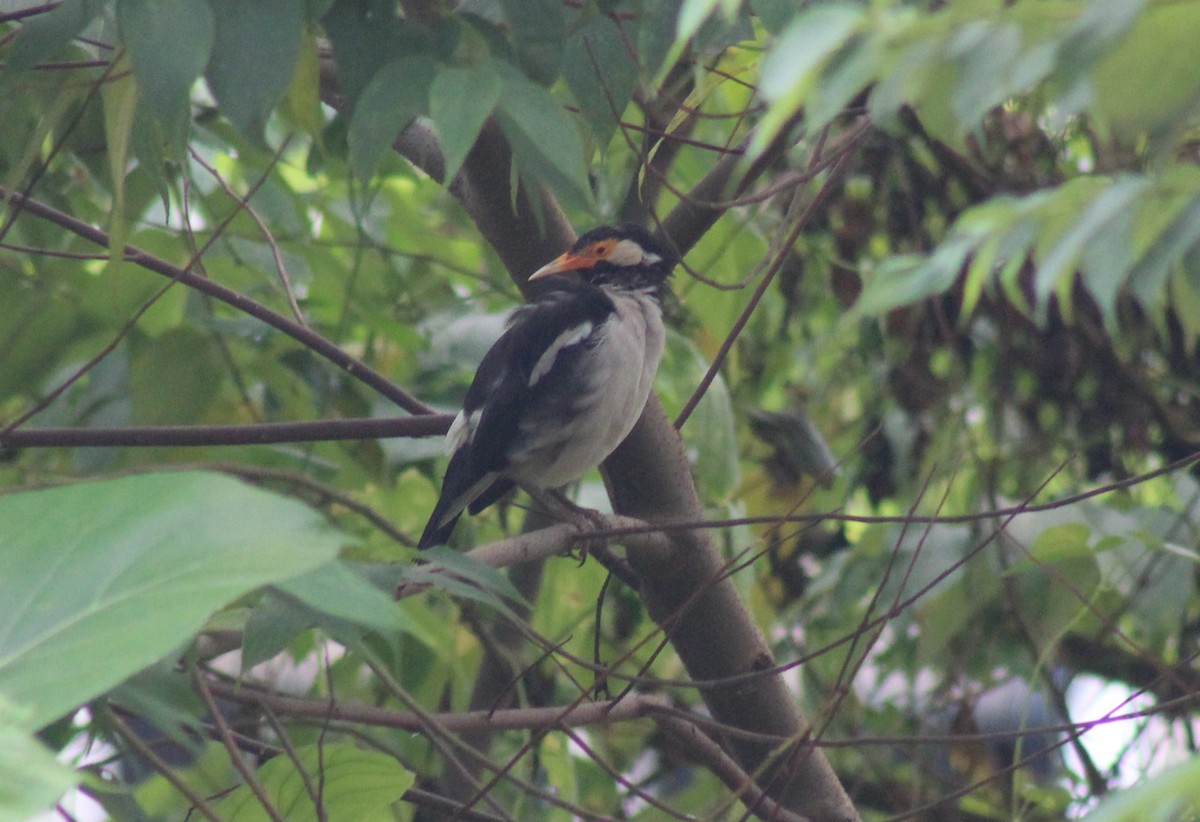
[
  {"x": 435, "y": 533},
  {"x": 460, "y": 488}
]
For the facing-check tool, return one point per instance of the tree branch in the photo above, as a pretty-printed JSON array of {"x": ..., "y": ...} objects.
[
  {"x": 265, "y": 433},
  {"x": 311, "y": 340},
  {"x": 515, "y": 719}
]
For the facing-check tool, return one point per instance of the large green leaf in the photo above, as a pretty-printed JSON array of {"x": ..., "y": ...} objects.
[
  {"x": 31, "y": 779},
  {"x": 538, "y": 28},
  {"x": 397, "y": 93},
  {"x": 790, "y": 70},
  {"x": 169, "y": 42},
  {"x": 600, "y": 72},
  {"x": 44, "y": 35},
  {"x": 355, "y": 786},
  {"x": 460, "y": 100},
  {"x": 365, "y": 38},
  {"x": 544, "y": 139},
  {"x": 1161, "y": 37},
  {"x": 1172, "y": 795},
  {"x": 337, "y": 589},
  {"x": 99, "y": 580},
  {"x": 259, "y": 40}
]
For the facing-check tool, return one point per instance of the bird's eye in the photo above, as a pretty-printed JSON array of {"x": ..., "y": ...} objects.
[{"x": 601, "y": 249}]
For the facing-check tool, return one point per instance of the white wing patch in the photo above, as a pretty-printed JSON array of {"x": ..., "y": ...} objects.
[
  {"x": 628, "y": 349},
  {"x": 462, "y": 430},
  {"x": 571, "y": 336}
]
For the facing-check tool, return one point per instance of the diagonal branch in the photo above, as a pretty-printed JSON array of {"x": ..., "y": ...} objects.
[{"x": 310, "y": 339}]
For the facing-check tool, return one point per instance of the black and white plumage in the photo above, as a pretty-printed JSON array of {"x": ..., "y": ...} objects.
[{"x": 567, "y": 380}]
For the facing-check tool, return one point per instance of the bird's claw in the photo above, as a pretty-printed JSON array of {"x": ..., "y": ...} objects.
[{"x": 588, "y": 521}]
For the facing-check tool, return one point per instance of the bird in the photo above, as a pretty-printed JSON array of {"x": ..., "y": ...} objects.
[{"x": 566, "y": 381}]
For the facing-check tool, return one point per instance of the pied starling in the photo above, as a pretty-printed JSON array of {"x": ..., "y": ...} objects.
[{"x": 567, "y": 380}]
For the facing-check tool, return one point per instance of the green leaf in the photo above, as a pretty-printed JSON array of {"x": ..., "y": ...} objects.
[
  {"x": 709, "y": 433},
  {"x": 1169, "y": 796},
  {"x": 120, "y": 106},
  {"x": 99, "y": 580},
  {"x": 656, "y": 35},
  {"x": 31, "y": 779},
  {"x": 1148, "y": 279},
  {"x": 544, "y": 138},
  {"x": 254, "y": 54},
  {"x": 789, "y": 71},
  {"x": 814, "y": 35},
  {"x": 1161, "y": 37},
  {"x": 903, "y": 78},
  {"x": 692, "y": 15},
  {"x": 849, "y": 73},
  {"x": 364, "y": 40},
  {"x": 774, "y": 14},
  {"x": 1057, "y": 543},
  {"x": 539, "y": 29},
  {"x": 158, "y": 397},
  {"x": 1113, "y": 199},
  {"x": 169, "y": 42},
  {"x": 273, "y": 624},
  {"x": 459, "y": 575},
  {"x": 460, "y": 100},
  {"x": 149, "y": 143},
  {"x": 340, "y": 591},
  {"x": 904, "y": 280},
  {"x": 302, "y": 100},
  {"x": 1106, "y": 261},
  {"x": 397, "y": 93},
  {"x": 601, "y": 75},
  {"x": 986, "y": 51},
  {"x": 355, "y": 786},
  {"x": 45, "y": 35}
]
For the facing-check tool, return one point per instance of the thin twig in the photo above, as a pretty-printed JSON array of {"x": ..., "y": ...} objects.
[
  {"x": 727, "y": 344},
  {"x": 276, "y": 256},
  {"x": 265, "y": 433},
  {"x": 315, "y": 342},
  {"x": 726, "y": 769},
  {"x": 160, "y": 766},
  {"x": 235, "y": 755},
  {"x": 285, "y": 742}
]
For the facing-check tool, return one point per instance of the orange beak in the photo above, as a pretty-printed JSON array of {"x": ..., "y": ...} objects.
[{"x": 567, "y": 261}]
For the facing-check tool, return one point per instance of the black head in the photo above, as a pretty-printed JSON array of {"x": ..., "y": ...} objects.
[{"x": 627, "y": 256}]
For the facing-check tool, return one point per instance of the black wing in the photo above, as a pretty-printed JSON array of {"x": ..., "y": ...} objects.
[
  {"x": 528, "y": 375},
  {"x": 513, "y": 395}
]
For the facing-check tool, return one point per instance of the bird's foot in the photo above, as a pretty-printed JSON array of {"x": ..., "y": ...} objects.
[
  {"x": 591, "y": 542},
  {"x": 587, "y": 520},
  {"x": 590, "y": 521}
]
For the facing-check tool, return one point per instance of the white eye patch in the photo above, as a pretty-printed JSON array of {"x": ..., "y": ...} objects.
[{"x": 628, "y": 252}]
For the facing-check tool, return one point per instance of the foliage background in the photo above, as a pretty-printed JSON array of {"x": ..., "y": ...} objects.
[{"x": 938, "y": 366}]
